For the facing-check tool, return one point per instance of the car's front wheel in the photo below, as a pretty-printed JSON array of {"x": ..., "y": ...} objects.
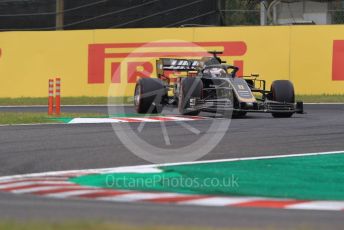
[
  {"x": 148, "y": 95},
  {"x": 282, "y": 91}
]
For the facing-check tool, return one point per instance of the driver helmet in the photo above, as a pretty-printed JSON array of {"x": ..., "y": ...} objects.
[{"x": 216, "y": 72}]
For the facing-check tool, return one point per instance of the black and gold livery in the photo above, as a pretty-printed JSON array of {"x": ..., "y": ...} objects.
[{"x": 211, "y": 85}]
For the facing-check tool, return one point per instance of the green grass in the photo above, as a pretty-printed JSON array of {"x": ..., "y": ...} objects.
[
  {"x": 82, "y": 226},
  {"x": 88, "y": 225},
  {"x": 12, "y": 118},
  {"x": 321, "y": 98},
  {"x": 300, "y": 178},
  {"x": 65, "y": 100}
]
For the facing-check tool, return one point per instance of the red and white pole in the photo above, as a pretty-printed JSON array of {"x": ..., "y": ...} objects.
[
  {"x": 58, "y": 96},
  {"x": 51, "y": 97}
]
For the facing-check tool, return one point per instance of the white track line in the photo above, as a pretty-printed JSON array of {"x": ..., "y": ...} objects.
[
  {"x": 153, "y": 167},
  {"x": 94, "y": 120},
  {"x": 220, "y": 201},
  {"x": 132, "y": 119}
]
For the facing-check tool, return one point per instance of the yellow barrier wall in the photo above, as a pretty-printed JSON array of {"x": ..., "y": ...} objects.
[
  {"x": 314, "y": 59},
  {"x": 107, "y": 62}
]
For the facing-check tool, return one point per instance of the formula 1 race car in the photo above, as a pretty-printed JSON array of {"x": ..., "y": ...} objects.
[{"x": 211, "y": 85}]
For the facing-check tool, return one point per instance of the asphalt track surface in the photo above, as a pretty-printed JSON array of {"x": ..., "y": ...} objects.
[{"x": 40, "y": 148}]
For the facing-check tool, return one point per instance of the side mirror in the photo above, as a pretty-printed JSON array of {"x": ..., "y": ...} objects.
[{"x": 250, "y": 83}]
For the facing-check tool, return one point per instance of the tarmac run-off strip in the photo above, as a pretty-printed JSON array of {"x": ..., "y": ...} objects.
[{"x": 60, "y": 185}]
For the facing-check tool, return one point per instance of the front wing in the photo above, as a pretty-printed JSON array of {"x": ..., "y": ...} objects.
[{"x": 224, "y": 105}]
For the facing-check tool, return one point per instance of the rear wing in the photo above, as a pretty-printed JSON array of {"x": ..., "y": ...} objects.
[{"x": 177, "y": 65}]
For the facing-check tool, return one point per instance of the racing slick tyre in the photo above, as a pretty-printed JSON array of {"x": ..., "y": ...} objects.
[
  {"x": 238, "y": 114},
  {"x": 191, "y": 87},
  {"x": 148, "y": 96},
  {"x": 282, "y": 91}
]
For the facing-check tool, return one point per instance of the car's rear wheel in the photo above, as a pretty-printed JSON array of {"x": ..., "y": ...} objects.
[
  {"x": 191, "y": 87},
  {"x": 282, "y": 91},
  {"x": 148, "y": 95}
]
